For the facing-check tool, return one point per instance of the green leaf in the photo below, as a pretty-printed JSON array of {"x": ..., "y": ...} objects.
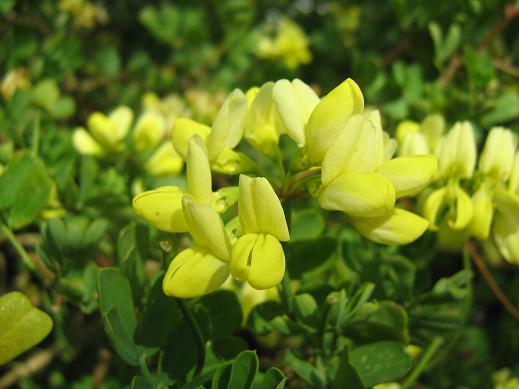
[
  {"x": 6, "y": 5},
  {"x": 244, "y": 369},
  {"x": 380, "y": 362},
  {"x": 346, "y": 376},
  {"x": 221, "y": 377},
  {"x": 139, "y": 382},
  {"x": 306, "y": 224},
  {"x": 225, "y": 312},
  {"x": 305, "y": 256},
  {"x": 116, "y": 306},
  {"x": 273, "y": 379},
  {"x": 229, "y": 347},
  {"x": 305, "y": 370},
  {"x": 385, "y": 320},
  {"x": 153, "y": 332},
  {"x": 22, "y": 326},
  {"x": 25, "y": 189},
  {"x": 259, "y": 319},
  {"x": 306, "y": 310},
  {"x": 162, "y": 22}
]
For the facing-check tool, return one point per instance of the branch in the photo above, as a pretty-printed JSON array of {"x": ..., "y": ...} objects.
[
  {"x": 511, "y": 11},
  {"x": 487, "y": 276}
]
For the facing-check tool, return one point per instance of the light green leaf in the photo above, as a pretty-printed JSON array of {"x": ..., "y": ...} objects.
[{"x": 22, "y": 326}]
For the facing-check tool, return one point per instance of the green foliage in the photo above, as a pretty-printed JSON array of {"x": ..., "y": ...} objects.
[{"x": 350, "y": 313}]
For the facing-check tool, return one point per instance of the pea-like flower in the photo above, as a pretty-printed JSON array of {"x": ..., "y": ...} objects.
[
  {"x": 258, "y": 257},
  {"x": 203, "y": 268},
  {"x": 360, "y": 180},
  {"x": 106, "y": 132},
  {"x": 162, "y": 207}
]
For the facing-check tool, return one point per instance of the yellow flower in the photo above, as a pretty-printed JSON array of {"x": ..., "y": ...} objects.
[
  {"x": 497, "y": 157},
  {"x": 290, "y": 44},
  {"x": 329, "y": 117},
  {"x": 162, "y": 207},
  {"x": 107, "y": 133},
  {"x": 149, "y": 131},
  {"x": 456, "y": 152},
  {"x": 294, "y": 102},
  {"x": 419, "y": 139},
  {"x": 203, "y": 268},
  {"x": 355, "y": 165},
  {"x": 165, "y": 161},
  {"x": 258, "y": 256},
  {"x": 481, "y": 221},
  {"x": 183, "y": 130}
]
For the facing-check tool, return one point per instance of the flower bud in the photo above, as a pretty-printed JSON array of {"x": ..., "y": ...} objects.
[
  {"x": 497, "y": 156},
  {"x": 183, "y": 130},
  {"x": 456, "y": 152}
]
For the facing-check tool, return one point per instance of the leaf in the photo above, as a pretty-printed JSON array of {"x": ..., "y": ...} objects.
[
  {"x": 306, "y": 224},
  {"x": 346, "y": 376},
  {"x": 244, "y": 369},
  {"x": 161, "y": 22},
  {"x": 139, "y": 382},
  {"x": 380, "y": 362},
  {"x": 229, "y": 347},
  {"x": 307, "y": 255},
  {"x": 273, "y": 379},
  {"x": 116, "y": 306},
  {"x": 22, "y": 326},
  {"x": 25, "y": 189},
  {"x": 305, "y": 370},
  {"x": 225, "y": 312},
  {"x": 152, "y": 332},
  {"x": 306, "y": 309}
]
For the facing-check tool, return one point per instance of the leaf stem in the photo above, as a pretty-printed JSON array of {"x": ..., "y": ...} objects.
[
  {"x": 487, "y": 276},
  {"x": 18, "y": 247},
  {"x": 144, "y": 368},
  {"x": 422, "y": 364},
  {"x": 197, "y": 335}
]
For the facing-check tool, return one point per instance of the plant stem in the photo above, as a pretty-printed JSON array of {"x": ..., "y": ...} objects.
[
  {"x": 487, "y": 276},
  {"x": 18, "y": 247},
  {"x": 422, "y": 364},
  {"x": 197, "y": 335},
  {"x": 144, "y": 368}
]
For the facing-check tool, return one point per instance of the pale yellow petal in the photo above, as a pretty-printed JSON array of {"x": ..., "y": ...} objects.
[
  {"x": 183, "y": 130},
  {"x": 481, "y": 221},
  {"x": 241, "y": 256},
  {"x": 85, "y": 144},
  {"x": 461, "y": 212},
  {"x": 246, "y": 207},
  {"x": 103, "y": 130},
  {"x": 228, "y": 124},
  {"x": 506, "y": 235},
  {"x": 397, "y": 227},
  {"x": 194, "y": 272},
  {"x": 457, "y": 152},
  {"x": 497, "y": 156},
  {"x": 260, "y": 128},
  {"x": 122, "y": 118},
  {"x": 206, "y": 228},
  {"x": 330, "y": 116},
  {"x": 433, "y": 207},
  {"x": 198, "y": 171},
  {"x": 165, "y": 161},
  {"x": 409, "y": 175},
  {"x": 148, "y": 131},
  {"x": 269, "y": 212},
  {"x": 290, "y": 110},
  {"x": 358, "y": 149},
  {"x": 267, "y": 265},
  {"x": 232, "y": 162},
  {"x": 162, "y": 208},
  {"x": 364, "y": 195}
]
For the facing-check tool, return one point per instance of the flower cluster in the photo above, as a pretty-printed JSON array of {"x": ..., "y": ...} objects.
[
  {"x": 344, "y": 160},
  {"x": 469, "y": 197}
]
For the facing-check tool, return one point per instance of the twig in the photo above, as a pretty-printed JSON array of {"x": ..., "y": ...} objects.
[
  {"x": 482, "y": 267},
  {"x": 511, "y": 11},
  {"x": 101, "y": 369},
  {"x": 18, "y": 247},
  {"x": 401, "y": 46},
  {"x": 506, "y": 67},
  {"x": 32, "y": 365}
]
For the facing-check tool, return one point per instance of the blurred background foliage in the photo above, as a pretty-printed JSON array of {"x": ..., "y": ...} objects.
[{"x": 62, "y": 60}]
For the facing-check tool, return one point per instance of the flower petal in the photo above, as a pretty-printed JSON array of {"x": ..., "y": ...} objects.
[
  {"x": 433, "y": 206},
  {"x": 479, "y": 225},
  {"x": 206, "y": 228},
  {"x": 194, "y": 272},
  {"x": 456, "y": 152},
  {"x": 330, "y": 116},
  {"x": 359, "y": 194},
  {"x": 409, "y": 175},
  {"x": 162, "y": 208},
  {"x": 198, "y": 171},
  {"x": 358, "y": 148},
  {"x": 165, "y": 161},
  {"x": 183, "y": 130},
  {"x": 461, "y": 211},
  {"x": 241, "y": 256},
  {"x": 148, "y": 131},
  {"x": 85, "y": 144},
  {"x": 267, "y": 265},
  {"x": 506, "y": 234},
  {"x": 397, "y": 227},
  {"x": 121, "y": 117},
  {"x": 228, "y": 124}
]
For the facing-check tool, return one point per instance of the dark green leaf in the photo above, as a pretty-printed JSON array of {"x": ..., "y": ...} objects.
[
  {"x": 244, "y": 370},
  {"x": 225, "y": 312}
]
